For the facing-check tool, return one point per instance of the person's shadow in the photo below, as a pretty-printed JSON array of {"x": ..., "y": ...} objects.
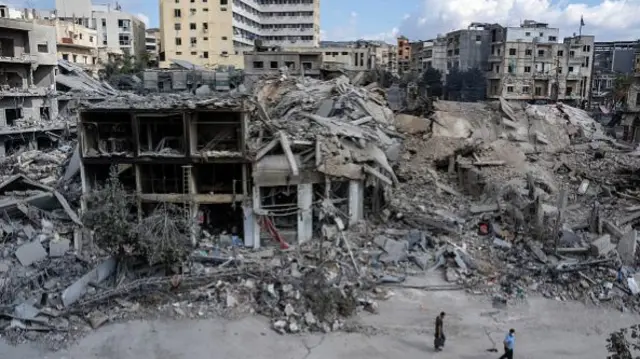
[{"x": 420, "y": 345}]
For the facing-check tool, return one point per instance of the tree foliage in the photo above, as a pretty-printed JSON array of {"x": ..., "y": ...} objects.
[
  {"x": 382, "y": 77},
  {"x": 125, "y": 65},
  {"x": 621, "y": 86},
  {"x": 109, "y": 216},
  {"x": 165, "y": 235},
  {"x": 430, "y": 82},
  {"x": 162, "y": 237},
  {"x": 467, "y": 86}
]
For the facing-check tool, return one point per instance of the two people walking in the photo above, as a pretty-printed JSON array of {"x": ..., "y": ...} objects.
[{"x": 438, "y": 342}]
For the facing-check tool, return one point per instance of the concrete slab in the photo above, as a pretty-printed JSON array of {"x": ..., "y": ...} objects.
[
  {"x": 59, "y": 248},
  {"x": 627, "y": 248},
  {"x": 30, "y": 253}
]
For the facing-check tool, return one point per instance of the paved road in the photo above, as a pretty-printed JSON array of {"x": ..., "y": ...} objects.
[{"x": 545, "y": 329}]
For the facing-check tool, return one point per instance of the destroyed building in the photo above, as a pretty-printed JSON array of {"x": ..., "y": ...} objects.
[
  {"x": 170, "y": 151},
  {"x": 259, "y": 63},
  {"x": 28, "y": 108},
  {"x": 233, "y": 165}
]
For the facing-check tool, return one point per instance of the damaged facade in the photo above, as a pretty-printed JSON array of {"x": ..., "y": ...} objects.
[
  {"x": 28, "y": 108},
  {"x": 259, "y": 63},
  {"x": 169, "y": 151},
  {"x": 528, "y": 63},
  {"x": 462, "y": 49}
]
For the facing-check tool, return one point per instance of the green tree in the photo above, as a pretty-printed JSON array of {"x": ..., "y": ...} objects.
[
  {"x": 431, "y": 82},
  {"x": 621, "y": 86},
  {"x": 109, "y": 216},
  {"x": 466, "y": 85}
]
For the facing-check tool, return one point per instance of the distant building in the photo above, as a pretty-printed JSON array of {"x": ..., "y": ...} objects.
[
  {"x": 152, "y": 45},
  {"x": 258, "y": 63},
  {"x": 462, "y": 49},
  {"x": 216, "y": 33},
  {"x": 118, "y": 32},
  {"x": 529, "y": 63},
  {"x": 77, "y": 44},
  {"x": 610, "y": 60},
  {"x": 404, "y": 54},
  {"x": 360, "y": 55}
]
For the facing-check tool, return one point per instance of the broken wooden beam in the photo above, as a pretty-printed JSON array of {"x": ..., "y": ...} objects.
[{"x": 286, "y": 147}]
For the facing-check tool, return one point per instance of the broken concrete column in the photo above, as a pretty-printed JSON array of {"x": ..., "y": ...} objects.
[
  {"x": 602, "y": 246},
  {"x": 253, "y": 239},
  {"x": 356, "y": 201},
  {"x": 248, "y": 225},
  {"x": 305, "y": 214},
  {"x": 627, "y": 248}
]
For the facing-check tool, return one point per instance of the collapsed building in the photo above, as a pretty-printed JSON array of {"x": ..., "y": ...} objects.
[
  {"x": 28, "y": 108},
  {"x": 238, "y": 167}
]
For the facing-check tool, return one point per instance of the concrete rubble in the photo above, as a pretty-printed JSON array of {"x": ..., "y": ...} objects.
[{"x": 491, "y": 195}]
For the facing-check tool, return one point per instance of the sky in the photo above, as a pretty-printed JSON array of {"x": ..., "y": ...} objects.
[{"x": 424, "y": 19}]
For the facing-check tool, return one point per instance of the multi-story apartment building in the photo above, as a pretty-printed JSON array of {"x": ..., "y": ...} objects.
[
  {"x": 404, "y": 54},
  {"x": 528, "y": 63},
  {"x": 28, "y": 108},
  {"x": 216, "y": 33},
  {"x": 462, "y": 49},
  {"x": 118, "y": 32},
  {"x": 358, "y": 55},
  {"x": 152, "y": 45},
  {"x": 610, "y": 60},
  {"x": 77, "y": 44}
]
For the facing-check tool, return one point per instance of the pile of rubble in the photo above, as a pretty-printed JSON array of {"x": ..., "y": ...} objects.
[{"x": 504, "y": 199}]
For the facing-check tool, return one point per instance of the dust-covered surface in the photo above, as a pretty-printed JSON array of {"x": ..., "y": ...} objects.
[
  {"x": 470, "y": 193},
  {"x": 404, "y": 327}
]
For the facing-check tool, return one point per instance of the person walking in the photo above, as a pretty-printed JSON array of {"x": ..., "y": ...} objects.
[
  {"x": 438, "y": 342},
  {"x": 509, "y": 342}
]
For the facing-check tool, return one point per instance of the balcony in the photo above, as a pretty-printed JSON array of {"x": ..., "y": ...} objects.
[
  {"x": 494, "y": 75},
  {"x": 71, "y": 42},
  {"x": 247, "y": 27},
  {"x": 267, "y": 20},
  {"x": 287, "y": 32},
  {"x": 286, "y": 7},
  {"x": 248, "y": 14},
  {"x": 303, "y": 43},
  {"x": 243, "y": 40},
  {"x": 573, "y": 76},
  {"x": 495, "y": 58},
  {"x": 21, "y": 59}
]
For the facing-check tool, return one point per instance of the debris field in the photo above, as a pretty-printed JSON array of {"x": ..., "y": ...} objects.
[{"x": 503, "y": 199}]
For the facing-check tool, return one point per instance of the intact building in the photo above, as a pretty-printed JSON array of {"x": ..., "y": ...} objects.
[
  {"x": 529, "y": 63},
  {"x": 213, "y": 33},
  {"x": 118, "y": 32}
]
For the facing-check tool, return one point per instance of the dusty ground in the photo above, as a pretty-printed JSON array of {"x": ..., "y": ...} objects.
[{"x": 545, "y": 329}]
